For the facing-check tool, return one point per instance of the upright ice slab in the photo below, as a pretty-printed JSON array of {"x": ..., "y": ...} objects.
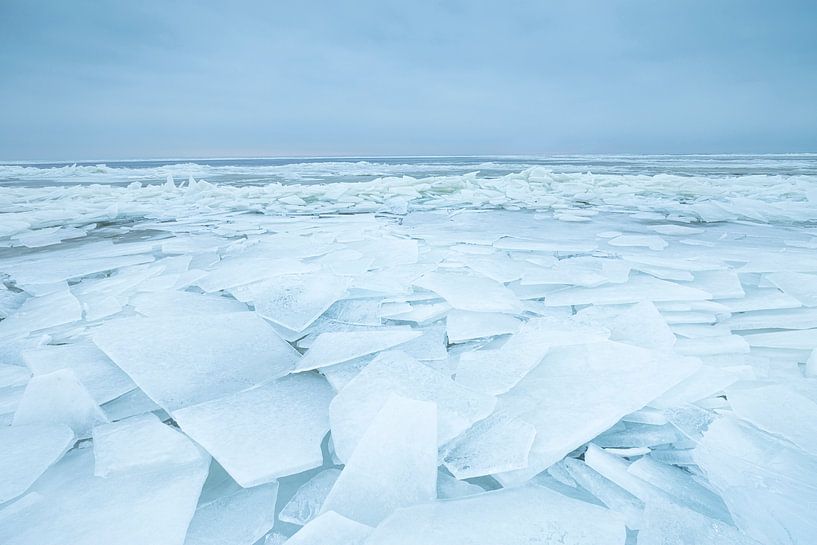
[
  {"x": 356, "y": 406},
  {"x": 393, "y": 465}
]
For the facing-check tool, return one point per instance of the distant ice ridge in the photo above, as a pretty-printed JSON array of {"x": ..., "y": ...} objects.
[
  {"x": 198, "y": 364},
  {"x": 571, "y": 197}
]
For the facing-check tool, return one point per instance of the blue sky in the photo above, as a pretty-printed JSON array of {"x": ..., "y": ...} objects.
[{"x": 102, "y": 79}]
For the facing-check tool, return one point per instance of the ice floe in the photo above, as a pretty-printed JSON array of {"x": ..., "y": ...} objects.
[{"x": 442, "y": 357}]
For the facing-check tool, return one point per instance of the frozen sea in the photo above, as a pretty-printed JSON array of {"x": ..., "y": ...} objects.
[{"x": 583, "y": 350}]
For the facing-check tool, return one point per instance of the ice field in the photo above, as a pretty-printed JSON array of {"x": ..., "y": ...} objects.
[{"x": 452, "y": 351}]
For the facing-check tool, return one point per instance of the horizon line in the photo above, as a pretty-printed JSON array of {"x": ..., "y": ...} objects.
[{"x": 23, "y": 162}]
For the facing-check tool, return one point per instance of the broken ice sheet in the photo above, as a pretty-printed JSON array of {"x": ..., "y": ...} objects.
[
  {"x": 496, "y": 371},
  {"x": 103, "y": 380},
  {"x": 129, "y": 508},
  {"x": 420, "y": 313},
  {"x": 308, "y": 499},
  {"x": 331, "y": 528},
  {"x": 180, "y": 362},
  {"x": 769, "y": 486},
  {"x": 579, "y": 391},
  {"x": 337, "y": 347},
  {"x": 802, "y": 339},
  {"x": 394, "y": 372},
  {"x": 26, "y": 452},
  {"x": 139, "y": 443},
  {"x": 170, "y": 302},
  {"x": 638, "y": 288},
  {"x": 470, "y": 292},
  {"x": 681, "y": 486},
  {"x": 780, "y": 411},
  {"x": 37, "y": 313},
  {"x": 243, "y": 270},
  {"x": 293, "y": 301},
  {"x": 653, "y": 242},
  {"x": 517, "y": 516},
  {"x": 60, "y": 266},
  {"x": 496, "y": 444},
  {"x": 464, "y": 326},
  {"x": 394, "y": 464},
  {"x": 59, "y": 398},
  {"x": 240, "y": 518},
  {"x": 38, "y": 238},
  {"x": 609, "y": 493},
  {"x": 641, "y": 324},
  {"x": 428, "y": 347},
  {"x": 266, "y": 432},
  {"x": 797, "y": 318},
  {"x": 449, "y": 487},
  {"x": 665, "y": 523},
  {"x": 130, "y": 404},
  {"x": 802, "y": 287}
]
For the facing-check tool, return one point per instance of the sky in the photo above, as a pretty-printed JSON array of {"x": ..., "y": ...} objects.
[{"x": 169, "y": 79}]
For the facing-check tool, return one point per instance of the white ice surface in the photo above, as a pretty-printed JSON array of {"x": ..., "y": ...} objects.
[
  {"x": 26, "y": 452},
  {"x": 195, "y": 358},
  {"x": 266, "y": 432}
]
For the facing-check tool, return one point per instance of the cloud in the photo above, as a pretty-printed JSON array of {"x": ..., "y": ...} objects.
[{"x": 90, "y": 79}]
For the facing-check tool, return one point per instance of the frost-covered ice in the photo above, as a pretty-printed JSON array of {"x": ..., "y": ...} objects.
[{"x": 458, "y": 352}]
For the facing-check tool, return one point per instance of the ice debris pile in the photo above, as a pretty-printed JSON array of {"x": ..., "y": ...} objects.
[{"x": 190, "y": 366}]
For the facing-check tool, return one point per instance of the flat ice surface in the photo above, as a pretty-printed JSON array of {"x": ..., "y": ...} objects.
[
  {"x": 137, "y": 443},
  {"x": 265, "y": 432},
  {"x": 463, "y": 325},
  {"x": 517, "y": 516},
  {"x": 197, "y": 357},
  {"x": 470, "y": 292},
  {"x": 609, "y": 350},
  {"x": 26, "y": 452}
]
